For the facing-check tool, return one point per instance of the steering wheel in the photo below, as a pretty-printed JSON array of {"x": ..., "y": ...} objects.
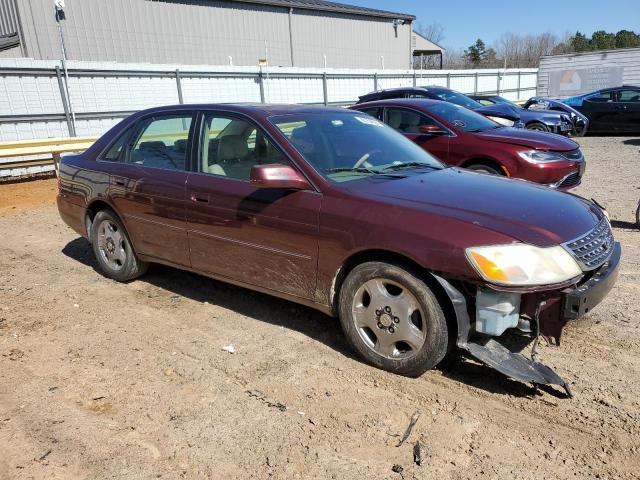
[{"x": 365, "y": 157}]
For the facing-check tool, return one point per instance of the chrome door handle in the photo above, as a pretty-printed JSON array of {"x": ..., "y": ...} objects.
[{"x": 199, "y": 197}]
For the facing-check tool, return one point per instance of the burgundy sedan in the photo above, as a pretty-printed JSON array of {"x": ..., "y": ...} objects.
[
  {"x": 461, "y": 137},
  {"x": 333, "y": 209}
]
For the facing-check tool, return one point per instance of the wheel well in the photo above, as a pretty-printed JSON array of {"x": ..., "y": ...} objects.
[
  {"x": 405, "y": 262},
  {"x": 91, "y": 212},
  {"x": 484, "y": 161}
]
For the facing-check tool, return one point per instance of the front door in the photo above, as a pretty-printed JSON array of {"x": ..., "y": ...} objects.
[
  {"x": 147, "y": 186},
  {"x": 602, "y": 112},
  {"x": 629, "y": 106},
  {"x": 408, "y": 122},
  {"x": 262, "y": 237}
]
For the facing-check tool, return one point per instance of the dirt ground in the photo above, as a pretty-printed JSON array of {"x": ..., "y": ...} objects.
[{"x": 105, "y": 380}]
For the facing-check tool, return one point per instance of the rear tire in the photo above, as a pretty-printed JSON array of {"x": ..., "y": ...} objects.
[
  {"x": 537, "y": 127},
  {"x": 484, "y": 168},
  {"x": 392, "y": 319},
  {"x": 112, "y": 248}
]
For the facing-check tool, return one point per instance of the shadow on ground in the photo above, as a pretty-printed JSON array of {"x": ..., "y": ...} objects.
[
  {"x": 307, "y": 321},
  {"x": 632, "y": 141}
]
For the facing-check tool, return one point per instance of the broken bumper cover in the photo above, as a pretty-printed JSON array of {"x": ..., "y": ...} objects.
[{"x": 579, "y": 301}]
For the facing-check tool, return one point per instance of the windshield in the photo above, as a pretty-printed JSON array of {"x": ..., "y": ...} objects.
[
  {"x": 348, "y": 146},
  {"x": 504, "y": 100},
  {"x": 460, "y": 117},
  {"x": 456, "y": 97}
]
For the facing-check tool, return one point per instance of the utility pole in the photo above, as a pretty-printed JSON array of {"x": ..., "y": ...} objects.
[{"x": 60, "y": 16}]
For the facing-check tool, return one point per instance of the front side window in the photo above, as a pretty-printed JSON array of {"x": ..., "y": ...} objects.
[
  {"x": 349, "y": 146},
  {"x": 407, "y": 121},
  {"x": 162, "y": 143},
  {"x": 231, "y": 146},
  {"x": 460, "y": 117},
  {"x": 632, "y": 96}
]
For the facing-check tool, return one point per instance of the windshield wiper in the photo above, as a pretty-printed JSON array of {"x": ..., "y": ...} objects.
[
  {"x": 361, "y": 170},
  {"x": 401, "y": 166}
]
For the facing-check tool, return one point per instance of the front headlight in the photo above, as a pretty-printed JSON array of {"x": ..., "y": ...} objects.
[
  {"x": 540, "y": 156},
  {"x": 519, "y": 264},
  {"x": 502, "y": 121}
]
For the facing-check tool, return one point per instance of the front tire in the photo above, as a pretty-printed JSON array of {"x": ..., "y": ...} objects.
[
  {"x": 484, "y": 168},
  {"x": 537, "y": 127},
  {"x": 112, "y": 248},
  {"x": 392, "y": 319}
]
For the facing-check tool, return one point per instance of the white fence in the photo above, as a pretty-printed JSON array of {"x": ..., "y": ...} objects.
[{"x": 34, "y": 103}]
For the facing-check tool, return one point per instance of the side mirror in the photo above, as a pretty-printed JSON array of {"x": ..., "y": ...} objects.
[
  {"x": 277, "y": 176},
  {"x": 431, "y": 129}
]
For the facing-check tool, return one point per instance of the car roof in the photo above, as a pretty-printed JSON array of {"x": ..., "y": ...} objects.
[
  {"x": 419, "y": 102},
  {"x": 262, "y": 109}
]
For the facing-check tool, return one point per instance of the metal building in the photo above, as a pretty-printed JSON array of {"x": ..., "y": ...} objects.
[
  {"x": 577, "y": 73},
  {"x": 299, "y": 33}
]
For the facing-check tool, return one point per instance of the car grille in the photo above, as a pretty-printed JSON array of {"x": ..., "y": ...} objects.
[
  {"x": 593, "y": 249},
  {"x": 570, "y": 180},
  {"x": 573, "y": 154}
]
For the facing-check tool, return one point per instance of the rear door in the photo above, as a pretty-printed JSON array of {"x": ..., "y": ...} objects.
[
  {"x": 147, "y": 186},
  {"x": 262, "y": 237},
  {"x": 408, "y": 122},
  {"x": 628, "y": 104},
  {"x": 602, "y": 112}
]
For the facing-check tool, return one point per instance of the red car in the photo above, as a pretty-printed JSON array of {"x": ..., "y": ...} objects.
[
  {"x": 461, "y": 137},
  {"x": 332, "y": 209}
]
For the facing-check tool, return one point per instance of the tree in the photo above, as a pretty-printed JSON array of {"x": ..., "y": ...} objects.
[
  {"x": 476, "y": 53},
  {"x": 580, "y": 43},
  {"x": 602, "y": 40},
  {"x": 626, "y": 39}
]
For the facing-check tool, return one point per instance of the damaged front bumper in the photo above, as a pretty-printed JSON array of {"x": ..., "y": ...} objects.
[{"x": 547, "y": 313}]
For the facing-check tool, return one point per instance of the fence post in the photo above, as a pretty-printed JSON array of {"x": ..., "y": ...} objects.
[
  {"x": 324, "y": 89},
  {"x": 261, "y": 84},
  {"x": 179, "y": 87},
  {"x": 375, "y": 82},
  {"x": 498, "y": 83},
  {"x": 519, "y": 76},
  {"x": 414, "y": 79},
  {"x": 65, "y": 104},
  {"x": 448, "y": 80},
  {"x": 475, "y": 83}
]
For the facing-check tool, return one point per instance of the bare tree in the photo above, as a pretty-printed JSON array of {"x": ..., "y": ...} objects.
[{"x": 521, "y": 51}]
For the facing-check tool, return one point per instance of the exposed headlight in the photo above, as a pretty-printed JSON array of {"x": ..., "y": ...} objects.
[
  {"x": 502, "y": 121},
  {"x": 519, "y": 264},
  {"x": 540, "y": 156}
]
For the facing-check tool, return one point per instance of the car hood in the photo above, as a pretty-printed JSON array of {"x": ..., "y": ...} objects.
[
  {"x": 524, "y": 211},
  {"x": 501, "y": 110},
  {"x": 528, "y": 138}
]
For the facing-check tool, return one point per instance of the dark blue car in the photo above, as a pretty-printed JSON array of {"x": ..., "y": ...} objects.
[
  {"x": 543, "y": 120},
  {"x": 502, "y": 114}
]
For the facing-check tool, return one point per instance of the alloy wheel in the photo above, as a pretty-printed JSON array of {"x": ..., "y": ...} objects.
[
  {"x": 111, "y": 245},
  {"x": 389, "y": 319}
]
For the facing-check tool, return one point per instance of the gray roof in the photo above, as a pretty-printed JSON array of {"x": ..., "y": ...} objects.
[{"x": 322, "y": 5}]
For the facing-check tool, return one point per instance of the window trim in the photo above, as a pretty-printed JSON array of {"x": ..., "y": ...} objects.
[{"x": 199, "y": 136}]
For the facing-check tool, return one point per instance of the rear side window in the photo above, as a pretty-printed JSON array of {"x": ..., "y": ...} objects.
[
  {"x": 375, "y": 112},
  {"x": 114, "y": 153},
  {"x": 162, "y": 143}
]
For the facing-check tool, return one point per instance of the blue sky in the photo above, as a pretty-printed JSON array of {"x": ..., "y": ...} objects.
[{"x": 465, "y": 20}]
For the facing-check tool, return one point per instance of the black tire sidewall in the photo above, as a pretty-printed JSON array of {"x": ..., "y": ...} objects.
[
  {"x": 133, "y": 267},
  {"x": 436, "y": 342},
  {"x": 539, "y": 127}
]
